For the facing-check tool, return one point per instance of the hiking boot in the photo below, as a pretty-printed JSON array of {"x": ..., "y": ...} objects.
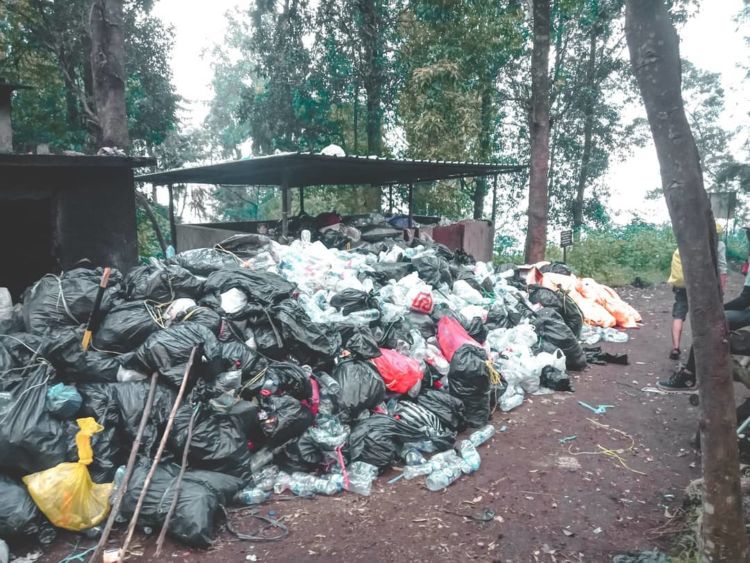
[
  {"x": 674, "y": 354},
  {"x": 680, "y": 380}
]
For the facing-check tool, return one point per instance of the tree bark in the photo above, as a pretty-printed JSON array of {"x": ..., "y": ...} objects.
[
  {"x": 372, "y": 82},
  {"x": 536, "y": 235},
  {"x": 654, "y": 56},
  {"x": 485, "y": 145},
  {"x": 588, "y": 128},
  {"x": 108, "y": 68}
]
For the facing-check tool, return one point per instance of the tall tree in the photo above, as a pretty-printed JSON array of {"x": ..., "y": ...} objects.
[
  {"x": 108, "y": 70},
  {"x": 654, "y": 56},
  {"x": 539, "y": 127}
]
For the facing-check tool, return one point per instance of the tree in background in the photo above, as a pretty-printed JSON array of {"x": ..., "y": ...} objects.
[
  {"x": 47, "y": 45},
  {"x": 539, "y": 126},
  {"x": 654, "y": 55},
  {"x": 108, "y": 71}
]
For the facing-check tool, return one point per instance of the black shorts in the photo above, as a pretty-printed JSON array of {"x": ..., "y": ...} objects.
[{"x": 680, "y": 307}]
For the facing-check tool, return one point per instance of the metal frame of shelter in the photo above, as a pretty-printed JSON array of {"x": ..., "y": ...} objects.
[{"x": 301, "y": 170}]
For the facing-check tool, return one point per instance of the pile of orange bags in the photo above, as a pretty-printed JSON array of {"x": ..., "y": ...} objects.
[{"x": 599, "y": 304}]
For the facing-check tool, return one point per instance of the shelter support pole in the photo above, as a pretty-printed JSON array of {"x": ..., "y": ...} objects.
[
  {"x": 172, "y": 223},
  {"x": 284, "y": 206},
  {"x": 411, "y": 203},
  {"x": 390, "y": 199},
  {"x": 301, "y": 200},
  {"x": 494, "y": 202}
]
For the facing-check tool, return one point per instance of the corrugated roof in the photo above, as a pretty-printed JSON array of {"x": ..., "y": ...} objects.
[{"x": 310, "y": 169}]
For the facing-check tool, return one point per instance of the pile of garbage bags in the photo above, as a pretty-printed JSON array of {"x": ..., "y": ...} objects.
[{"x": 316, "y": 369}]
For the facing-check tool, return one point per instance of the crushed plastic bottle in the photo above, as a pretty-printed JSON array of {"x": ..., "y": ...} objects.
[
  {"x": 363, "y": 317},
  {"x": 302, "y": 484},
  {"x": 470, "y": 456},
  {"x": 282, "y": 482},
  {"x": 442, "y": 478},
  {"x": 252, "y": 495},
  {"x": 266, "y": 477},
  {"x": 479, "y": 437},
  {"x": 361, "y": 475},
  {"x": 260, "y": 459},
  {"x": 412, "y": 456},
  {"x": 614, "y": 335},
  {"x": 413, "y": 471}
]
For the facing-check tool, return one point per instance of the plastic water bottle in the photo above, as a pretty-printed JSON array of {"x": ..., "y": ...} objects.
[
  {"x": 470, "y": 455},
  {"x": 331, "y": 385},
  {"x": 614, "y": 335},
  {"x": 252, "y": 495},
  {"x": 361, "y": 476},
  {"x": 330, "y": 484},
  {"x": 413, "y": 471},
  {"x": 364, "y": 317},
  {"x": 441, "y": 478},
  {"x": 265, "y": 479},
  {"x": 282, "y": 482},
  {"x": 302, "y": 485},
  {"x": 413, "y": 456},
  {"x": 480, "y": 436}
]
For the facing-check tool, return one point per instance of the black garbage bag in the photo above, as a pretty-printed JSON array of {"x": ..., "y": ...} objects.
[
  {"x": 246, "y": 245},
  {"x": 393, "y": 332},
  {"x": 556, "y": 268},
  {"x": 125, "y": 327},
  {"x": 162, "y": 283},
  {"x": 351, "y": 300},
  {"x": 553, "y": 378},
  {"x": 282, "y": 418},
  {"x": 269, "y": 341},
  {"x": 204, "y": 261},
  {"x": 442, "y": 310},
  {"x": 302, "y": 454},
  {"x": 477, "y": 330},
  {"x": 14, "y": 323},
  {"x": 595, "y": 355},
  {"x": 469, "y": 380},
  {"x": 360, "y": 341},
  {"x": 30, "y": 439},
  {"x": 449, "y": 409},
  {"x": 362, "y": 388},
  {"x": 376, "y": 233},
  {"x": 288, "y": 378},
  {"x": 218, "y": 444},
  {"x": 130, "y": 398},
  {"x": 415, "y": 423},
  {"x": 423, "y": 323},
  {"x": 498, "y": 317},
  {"x": 168, "y": 350},
  {"x": 66, "y": 300},
  {"x": 202, "y": 316},
  {"x": 237, "y": 355},
  {"x": 433, "y": 270},
  {"x": 18, "y": 351},
  {"x": 561, "y": 303},
  {"x": 261, "y": 288},
  {"x": 311, "y": 343},
  {"x": 19, "y": 516},
  {"x": 63, "y": 350},
  {"x": 385, "y": 271},
  {"x": 374, "y": 441},
  {"x": 333, "y": 238},
  {"x": 200, "y": 496},
  {"x": 554, "y": 333}
]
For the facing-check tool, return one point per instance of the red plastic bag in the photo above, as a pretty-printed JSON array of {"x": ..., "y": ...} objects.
[
  {"x": 400, "y": 373},
  {"x": 745, "y": 267},
  {"x": 451, "y": 336}
]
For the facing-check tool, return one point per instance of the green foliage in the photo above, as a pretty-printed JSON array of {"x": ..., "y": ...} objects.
[{"x": 148, "y": 243}]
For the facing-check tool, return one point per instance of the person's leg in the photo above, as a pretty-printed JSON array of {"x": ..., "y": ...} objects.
[
  {"x": 683, "y": 378},
  {"x": 679, "y": 314}
]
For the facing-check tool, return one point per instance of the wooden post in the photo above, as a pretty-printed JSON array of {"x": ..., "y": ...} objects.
[
  {"x": 301, "y": 200},
  {"x": 6, "y": 131},
  {"x": 411, "y": 203},
  {"x": 494, "y": 206},
  {"x": 172, "y": 223},
  {"x": 285, "y": 206},
  {"x": 655, "y": 59},
  {"x": 390, "y": 199}
]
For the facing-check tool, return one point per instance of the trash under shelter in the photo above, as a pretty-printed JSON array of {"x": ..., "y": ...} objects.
[
  {"x": 297, "y": 171},
  {"x": 56, "y": 210}
]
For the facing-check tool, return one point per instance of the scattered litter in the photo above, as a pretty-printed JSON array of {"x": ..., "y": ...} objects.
[
  {"x": 567, "y": 439},
  {"x": 598, "y": 409}
]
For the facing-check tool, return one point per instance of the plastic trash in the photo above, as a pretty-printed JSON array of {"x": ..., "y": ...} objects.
[
  {"x": 413, "y": 471},
  {"x": 266, "y": 477},
  {"x": 512, "y": 398},
  {"x": 65, "y": 493},
  {"x": 6, "y": 304},
  {"x": 614, "y": 335},
  {"x": 252, "y": 495},
  {"x": 400, "y": 373},
  {"x": 441, "y": 478},
  {"x": 361, "y": 475},
  {"x": 479, "y": 437},
  {"x": 470, "y": 455},
  {"x": 63, "y": 401},
  {"x": 412, "y": 456}
]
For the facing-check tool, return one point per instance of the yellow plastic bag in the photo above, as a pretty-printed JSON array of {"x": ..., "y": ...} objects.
[
  {"x": 65, "y": 493},
  {"x": 676, "y": 277}
]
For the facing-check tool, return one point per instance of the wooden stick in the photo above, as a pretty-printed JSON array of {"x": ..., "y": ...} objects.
[
  {"x": 96, "y": 314},
  {"x": 157, "y": 457},
  {"x": 117, "y": 499},
  {"x": 177, "y": 485}
]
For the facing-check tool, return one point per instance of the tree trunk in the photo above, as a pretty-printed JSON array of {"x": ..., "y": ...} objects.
[
  {"x": 372, "y": 81},
  {"x": 536, "y": 235},
  {"x": 655, "y": 59},
  {"x": 485, "y": 148},
  {"x": 588, "y": 127},
  {"x": 108, "y": 68}
]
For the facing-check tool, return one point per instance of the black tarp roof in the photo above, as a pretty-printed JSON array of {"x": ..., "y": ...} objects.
[{"x": 309, "y": 169}]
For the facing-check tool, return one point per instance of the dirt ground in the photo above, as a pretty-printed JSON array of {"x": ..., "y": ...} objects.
[{"x": 553, "y": 501}]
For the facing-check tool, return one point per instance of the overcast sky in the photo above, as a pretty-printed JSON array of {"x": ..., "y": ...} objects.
[{"x": 711, "y": 41}]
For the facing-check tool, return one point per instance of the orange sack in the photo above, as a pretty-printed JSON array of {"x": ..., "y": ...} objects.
[
  {"x": 625, "y": 315},
  {"x": 593, "y": 312}
]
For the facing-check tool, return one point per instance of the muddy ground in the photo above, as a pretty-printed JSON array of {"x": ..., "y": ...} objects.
[{"x": 552, "y": 501}]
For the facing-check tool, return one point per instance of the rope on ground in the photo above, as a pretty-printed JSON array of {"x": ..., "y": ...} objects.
[
  {"x": 612, "y": 453},
  {"x": 270, "y": 523}
]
